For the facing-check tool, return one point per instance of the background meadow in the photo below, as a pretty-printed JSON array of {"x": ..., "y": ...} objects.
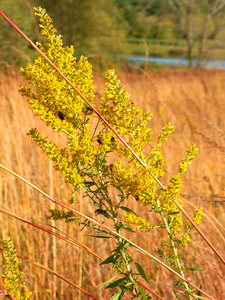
[{"x": 194, "y": 103}]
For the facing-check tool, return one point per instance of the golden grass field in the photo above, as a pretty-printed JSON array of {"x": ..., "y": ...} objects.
[{"x": 195, "y": 103}]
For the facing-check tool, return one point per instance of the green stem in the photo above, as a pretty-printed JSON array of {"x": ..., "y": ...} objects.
[{"x": 173, "y": 247}]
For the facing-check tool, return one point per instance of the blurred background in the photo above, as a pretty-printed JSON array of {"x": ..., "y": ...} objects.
[{"x": 118, "y": 29}]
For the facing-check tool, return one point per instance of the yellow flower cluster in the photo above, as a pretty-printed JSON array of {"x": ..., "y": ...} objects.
[
  {"x": 12, "y": 275},
  {"x": 198, "y": 215},
  {"x": 189, "y": 157},
  {"x": 172, "y": 193},
  {"x": 185, "y": 239},
  {"x": 132, "y": 124},
  {"x": 141, "y": 224},
  {"x": 129, "y": 121},
  {"x": 61, "y": 158},
  {"x": 58, "y": 105},
  {"x": 165, "y": 134},
  {"x": 197, "y": 218}
]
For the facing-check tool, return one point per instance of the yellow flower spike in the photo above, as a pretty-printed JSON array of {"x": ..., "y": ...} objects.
[
  {"x": 141, "y": 224},
  {"x": 186, "y": 239},
  {"x": 164, "y": 134},
  {"x": 189, "y": 157},
  {"x": 58, "y": 105},
  {"x": 198, "y": 215},
  {"x": 197, "y": 218},
  {"x": 60, "y": 157},
  {"x": 129, "y": 121}
]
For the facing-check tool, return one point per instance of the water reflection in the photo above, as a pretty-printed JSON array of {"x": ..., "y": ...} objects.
[{"x": 178, "y": 62}]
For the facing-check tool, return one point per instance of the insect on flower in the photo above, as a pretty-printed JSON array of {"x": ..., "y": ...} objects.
[
  {"x": 99, "y": 140},
  {"x": 88, "y": 110},
  {"x": 60, "y": 115},
  {"x": 100, "y": 211},
  {"x": 136, "y": 197}
]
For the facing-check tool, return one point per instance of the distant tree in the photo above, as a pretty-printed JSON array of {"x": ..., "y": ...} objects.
[
  {"x": 188, "y": 12},
  {"x": 157, "y": 31},
  {"x": 91, "y": 26},
  {"x": 155, "y": 7},
  {"x": 88, "y": 25},
  {"x": 13, "y": 49}
]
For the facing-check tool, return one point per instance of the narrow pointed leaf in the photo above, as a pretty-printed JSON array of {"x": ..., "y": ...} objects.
[
  {"x": 142, "y": 292},
  {"x": 116, "y": 283},
  {"x": 195, "y": 269},
  {"x": 128, "y": 229},
  {"x": 101, "y": 236},
  {"x": 116, "y": 296},
  {"x": 108, "y": 260},
  {"x": 108, "y": 281},
  {"x": 128, "y": 210},
  {"x": 141, "y": 272}
]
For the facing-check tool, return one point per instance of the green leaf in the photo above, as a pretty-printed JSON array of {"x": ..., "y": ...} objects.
[
  {"x": 116, "y": 296},
  {"x": 108, "y": 260},
  {"x": 89, "y": 183},
  {"x": 128, "y": 210},
  {"x": 199, "y": 297},
  {"x": 141, "y": 272},
  {"x": 101, "y": 236},
  {"x": 195, "y": 269},
  {"x": 173, "y": 213},
  {"x": 116, "y": 283},
  {"x": 119, "y": 189},
  {"x": 128, "y": 229},
  {"x": 142, "y": 292},
  {"x": 106, "y": 282},
  {"x": 200, "y": 293}
]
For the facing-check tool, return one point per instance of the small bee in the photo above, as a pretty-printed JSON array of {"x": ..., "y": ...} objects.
[
  {"x": 100, "y": 212},
  {"x": 99, "y": 140},
  {"x": 112, "y": 139},
  {"x": 60, "y": 115},
  {"x": 136, "y": 197},
  {"x": 111, "y": 167},
  {"x": 88, "y": 110}
]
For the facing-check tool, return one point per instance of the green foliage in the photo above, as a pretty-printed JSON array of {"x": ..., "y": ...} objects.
[
  {"x": 12, "y": 275},
  {"x": 157, "y": 31},
  {"x": 12, "y": 48},
  {"x": 156, "y": 7},
  {"x": 88, "y": 25},
  {"x": 95, "y": 161},
  {"x": 103, "y": 27}
]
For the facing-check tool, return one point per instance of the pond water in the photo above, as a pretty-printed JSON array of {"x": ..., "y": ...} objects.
[{"x": 177, "y": 62}]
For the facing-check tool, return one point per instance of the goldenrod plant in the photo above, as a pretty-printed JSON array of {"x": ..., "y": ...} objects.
[
  {"x": 94, "y": 160},
  {"x": 12, "y": 275}
]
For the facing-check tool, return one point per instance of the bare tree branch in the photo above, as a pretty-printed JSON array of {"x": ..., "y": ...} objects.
[{"x": 184, "y": 10}]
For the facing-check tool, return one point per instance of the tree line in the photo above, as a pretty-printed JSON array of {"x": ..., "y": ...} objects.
[{"x": 105, "y": 26}]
